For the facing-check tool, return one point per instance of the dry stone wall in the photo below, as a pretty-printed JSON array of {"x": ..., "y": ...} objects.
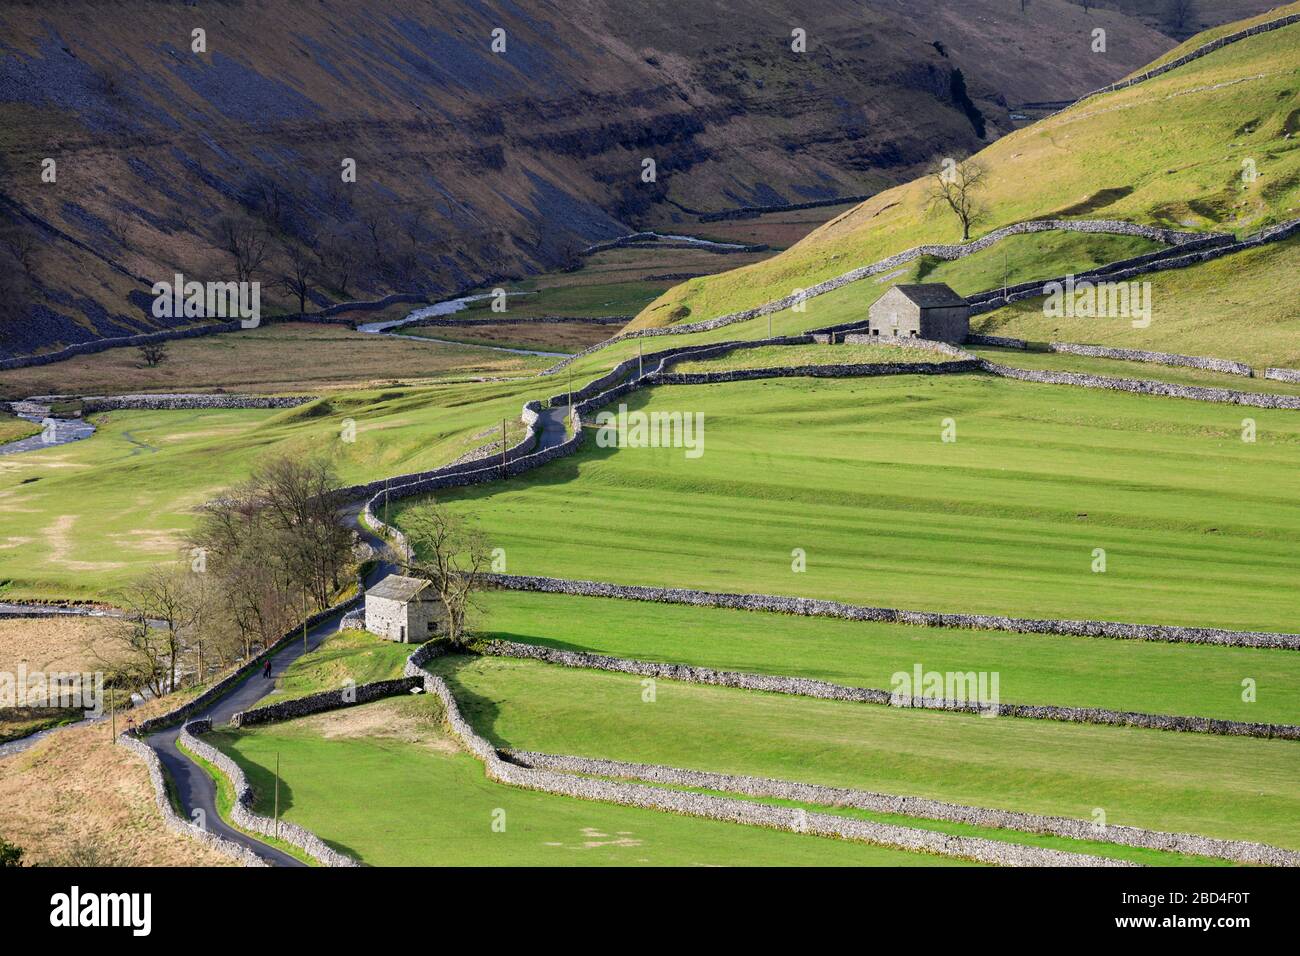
[
  {"x": 1283, "y": 375},
  {"x": 325, "y": 700},
  {"x": 946, "y": 252},
  {"x": 1159, "y": 358},
  {"x": 1196, "y": 54},
  {"x": 1238, "y": 851},
  {"x": 172, "y": 820},
  {"x": 162, "y": 402},
  {"x": 816, "y": 371},
  {"x": 1126, "y": 269},
  {"x": 1142, "y": 386},
  {"x": 815, "y": 607},
  {"x": 241, "y": 811},
  {"x": 743, "y": 811},
  {"x": 824, "y": 690}
]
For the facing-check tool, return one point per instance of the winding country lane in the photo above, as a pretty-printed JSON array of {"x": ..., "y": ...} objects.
[{"x": 195, "y": 789}]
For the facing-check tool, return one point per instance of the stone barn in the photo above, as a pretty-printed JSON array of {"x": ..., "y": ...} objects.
[
  {"x": 929, "y": 311},
  {"x": 404, "y": 609}
]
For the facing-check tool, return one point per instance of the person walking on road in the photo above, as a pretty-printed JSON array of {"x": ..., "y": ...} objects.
[{"x": 266, "y": 668}]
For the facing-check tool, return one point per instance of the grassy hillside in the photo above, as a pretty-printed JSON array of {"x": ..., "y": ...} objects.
[
  {"x": 1240, "y": 307},
  {"x": 470, "y": 164},
  {"x": 1197, "y": 524},
  {"x": 1168, "y": 152}
]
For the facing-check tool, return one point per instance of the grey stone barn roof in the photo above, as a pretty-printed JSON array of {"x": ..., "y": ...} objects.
[
  {"x": 398, "y": 588},
  {"x": 932, "y": 295}
]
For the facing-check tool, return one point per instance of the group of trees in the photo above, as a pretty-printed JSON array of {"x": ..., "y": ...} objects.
[
  {"x": 262, "y": 556},
  {"x": 273, "y": 236}
]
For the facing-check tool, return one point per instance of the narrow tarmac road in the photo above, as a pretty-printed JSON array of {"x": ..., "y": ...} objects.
[{"x": 195, "y": 789}]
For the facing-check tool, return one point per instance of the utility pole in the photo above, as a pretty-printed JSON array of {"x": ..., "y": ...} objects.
[
  {"x": 503, "y": 446},
  {"x": 277, "y": 795},
  {"x": 1005, "y": 274},
  {"x": 640, "y": 360},
  {"x": 304, "y": 622},
  {"x": 570, "y": 418}
]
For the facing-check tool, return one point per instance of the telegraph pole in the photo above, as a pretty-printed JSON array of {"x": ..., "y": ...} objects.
[
  {"x": 503, "y": 446},
  {"x": 277, "y": 795}
]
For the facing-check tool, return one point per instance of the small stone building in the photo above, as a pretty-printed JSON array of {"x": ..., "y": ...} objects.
[
  {"x": 929, "y": 311},
  {"x": 404, "y": 609}
]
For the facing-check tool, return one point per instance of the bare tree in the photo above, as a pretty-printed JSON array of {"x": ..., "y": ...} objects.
[
  {"x": 1178, "y": 14},
  {"x": 245, "y": 241},
  {"x": 955, "y": 186},
  {"x": 298, "y": 273},
  {"x": 337, "y": 257},
  {"x": 450, "y": 554},
  {"x": 22, "y": 245},
  {"x": 164, "y": 599},
  {"x": 153, "y": 354},
  {"x": 272, "y": 543}
]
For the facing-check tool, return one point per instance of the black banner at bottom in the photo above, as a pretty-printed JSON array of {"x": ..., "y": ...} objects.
[{"x": 339, "y": 907}]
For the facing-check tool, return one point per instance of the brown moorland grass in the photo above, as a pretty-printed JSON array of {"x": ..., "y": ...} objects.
[
  {"x": 51, "y": 644},
  {"x": 77, "y": 798},
  {"x": 290, "y": 357}
]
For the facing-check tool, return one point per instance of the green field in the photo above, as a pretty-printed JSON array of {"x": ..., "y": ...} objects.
[
  {"x": 1114, "y": 368},
  {"x": 13, "y": 428},
  {"x": 384, "y": 783},
  {"x": 1141, "y": 676},
  {"x": 773, "y": 356},
  {"x": 82, "y": 519},
  {"x": 1167, "y": 152},
  {"x": 1240, "y": 307},
  {"x": 356, "y": 656},
  {"x": 1198, "y": 526},
  {"x": 1228, "y": 787}
]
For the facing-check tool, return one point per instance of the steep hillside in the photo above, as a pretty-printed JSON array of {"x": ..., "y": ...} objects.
[
  {"x": 1169, "y": 152},
  {"x": 470, "y": 164}
]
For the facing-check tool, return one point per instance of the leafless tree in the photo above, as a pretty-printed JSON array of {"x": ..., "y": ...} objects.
[
  {"x": 956, "y": 187},
  {"x": 245, "y": 241},
  {"x": 337, "y": 257},
  {"x": 153, "y": 354},
  {"x": 22, "y": 245},
  {"x": 451, "y": 554},
  {"x": 1179, "y": 14},
  {"x": 298, "y": 273},
  {"x": 273, "y": 544},
  {"x": 162, "y": 596}
]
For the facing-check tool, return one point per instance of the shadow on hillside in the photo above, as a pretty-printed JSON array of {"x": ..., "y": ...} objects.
[{"x": 481, "y": 712}]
